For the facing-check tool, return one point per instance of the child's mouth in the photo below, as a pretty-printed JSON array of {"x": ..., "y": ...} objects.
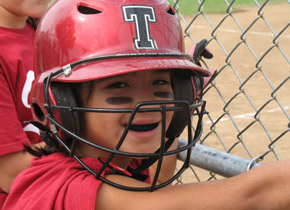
[{"x": 143, "y": 128}]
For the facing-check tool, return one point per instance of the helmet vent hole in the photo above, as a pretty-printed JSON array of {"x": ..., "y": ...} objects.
[
  {"x": 38, "y": 112},
  {"x": 88, "y": 10},
  {"x": 170, "y": 10}
]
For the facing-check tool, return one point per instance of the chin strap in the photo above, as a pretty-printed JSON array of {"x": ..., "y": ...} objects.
[
  {"x": 120, "y": 171},
  {"x": 115, "y": 169}
]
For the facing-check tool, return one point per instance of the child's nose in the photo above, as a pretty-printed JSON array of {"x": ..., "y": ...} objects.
[{"x": 144, "y": 95}]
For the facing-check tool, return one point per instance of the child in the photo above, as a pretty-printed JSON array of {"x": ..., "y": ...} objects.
[
  {"x": 16, "y": 75},
  {"x": 114, "y": 92}
]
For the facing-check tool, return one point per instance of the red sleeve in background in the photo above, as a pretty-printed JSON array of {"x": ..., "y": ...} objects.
[{"x": 3, "y": 196}]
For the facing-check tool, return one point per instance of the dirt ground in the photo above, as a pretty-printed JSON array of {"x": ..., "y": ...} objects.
[{"x": 253, "y": 75}]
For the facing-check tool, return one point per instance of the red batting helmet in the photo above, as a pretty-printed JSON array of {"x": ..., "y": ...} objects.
[{"x": 85, "y": 40}]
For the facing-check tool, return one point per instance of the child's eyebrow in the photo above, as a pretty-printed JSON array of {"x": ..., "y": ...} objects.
[
  {"x": 161, "y": 71},
  {"x": 112, "y": 77},
  {"x": 157, "y": 72}
]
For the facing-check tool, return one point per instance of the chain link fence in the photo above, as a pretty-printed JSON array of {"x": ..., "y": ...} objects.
[{"x": 248, "y": 103}]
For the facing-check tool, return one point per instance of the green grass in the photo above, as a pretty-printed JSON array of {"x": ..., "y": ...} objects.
[{"x": 188, "y": 7}]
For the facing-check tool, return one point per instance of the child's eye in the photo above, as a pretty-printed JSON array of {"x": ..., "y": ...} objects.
[
  {"x": 117, "y": 85},
  {"x": 161, "y": 82}
]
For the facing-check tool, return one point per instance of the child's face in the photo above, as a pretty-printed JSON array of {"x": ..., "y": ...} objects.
[{"x": 126, "y": 91}]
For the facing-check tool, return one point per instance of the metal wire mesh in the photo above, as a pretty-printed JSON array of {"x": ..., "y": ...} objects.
[{"x": 248, "y": 102}]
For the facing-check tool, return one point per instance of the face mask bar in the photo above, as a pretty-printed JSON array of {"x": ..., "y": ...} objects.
[{"x": 55, "y": 125}]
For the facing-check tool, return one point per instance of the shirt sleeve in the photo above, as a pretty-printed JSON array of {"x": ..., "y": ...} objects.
[
  {"x": 12, "y": 136},
  {"x": 3, "y": 197}
]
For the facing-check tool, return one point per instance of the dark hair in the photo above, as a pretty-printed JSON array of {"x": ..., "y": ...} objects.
[
  {"x": 81, "y": 91},
  {"x": 33, "y": 22},
  {"x": 38, "y": 152}
]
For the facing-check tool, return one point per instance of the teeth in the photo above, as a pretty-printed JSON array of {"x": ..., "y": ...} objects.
[{"x": 143, "y": 128}]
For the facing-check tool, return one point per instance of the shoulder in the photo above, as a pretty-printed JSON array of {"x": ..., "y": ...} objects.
[
  {"x": 16, "y": 49},
  {"x": 28, "y": 30},
  {"x": 15, "y": 39},
  {"x": 55, "y": 180}
]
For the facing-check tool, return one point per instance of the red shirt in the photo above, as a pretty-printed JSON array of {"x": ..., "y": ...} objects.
[
  {"x": 56, "y": 182},
  {"x": 16, "y": 76},
  {"x": 3, "y": 196}
]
